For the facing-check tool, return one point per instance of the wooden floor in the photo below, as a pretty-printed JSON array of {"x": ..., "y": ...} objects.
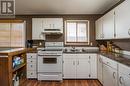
[{"x": 64, "y": 83}]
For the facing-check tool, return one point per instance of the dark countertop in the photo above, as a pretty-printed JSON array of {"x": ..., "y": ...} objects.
[
  {"x": 78, "y": 52},
  {"x": 121, "y": 58}
]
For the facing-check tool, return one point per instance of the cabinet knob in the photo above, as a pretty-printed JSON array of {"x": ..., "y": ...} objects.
[
  {"x": 114, "y": 75},
  {"x": 129, "y": 31},
  {"x": 31, "y": 73}
]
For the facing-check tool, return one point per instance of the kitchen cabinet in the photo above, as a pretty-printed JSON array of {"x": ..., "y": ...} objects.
[
  {"x": 108, "y": 25},
  {"x": 69, "y": 66},
  {"x": 31, "y": 65},
  {"x": 122, "y": 20},
  {"x": 83, "y": 66},
  {"x": 109, "y": 72},
  {"x": 37, "y": 29},
  {"x": 124, "y": 75},
  {"x": 105, "y": 26},
  {"x": 80, "y": 66},
  {"x": 100, "y": 69},
  {"x": 99, "y": 29},
  {"x": 52, "y": 23},
  {"x": 109, "y": 76}
]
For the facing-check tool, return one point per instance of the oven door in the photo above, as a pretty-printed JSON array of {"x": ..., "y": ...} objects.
[{"x": 50, "y": 63}]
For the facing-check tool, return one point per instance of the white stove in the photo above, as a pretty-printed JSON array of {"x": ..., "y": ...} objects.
[{"x": 50, "y": 61}]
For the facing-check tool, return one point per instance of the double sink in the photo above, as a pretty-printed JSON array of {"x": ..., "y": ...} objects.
[{"x": 81, "y": 50}]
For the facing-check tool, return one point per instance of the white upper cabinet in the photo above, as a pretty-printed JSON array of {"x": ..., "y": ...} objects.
[
  {"x": 108, "y": 25},
  {"x": 99, "y": 29},
  {"x": 52, "y": 25},
  {"x": 122, "y": 20},
  {"x": 115, "y": 24},
  {"x": 105, "y": 26},
  {"x": 37, "y": 29}
]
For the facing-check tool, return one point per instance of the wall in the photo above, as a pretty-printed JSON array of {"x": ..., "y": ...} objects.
[{"x": 28, "y": 19}]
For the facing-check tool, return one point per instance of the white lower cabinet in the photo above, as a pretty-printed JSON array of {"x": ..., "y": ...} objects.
[
  {"x": 31, "y": 65},
  {"x": 78, "y": 66},
  {"x": 69, "y": 68},
  {"x": 109, "y": 76},
  {"x": 100, "y": 69},
  {"x": 124, "y": 75},
  {"x": 124, "y": 80}
]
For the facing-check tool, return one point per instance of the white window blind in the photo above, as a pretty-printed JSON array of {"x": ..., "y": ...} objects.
[
  {"x": 77, "y": 32},
  {"x": 12, "y": 35}
]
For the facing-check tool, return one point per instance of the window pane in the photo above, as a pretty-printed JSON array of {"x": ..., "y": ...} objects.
[
  {"x": 71, "y": 32},
  {"x": 82, "y": 32},
  {"x": 17, "y": 35},
  {"x": 4, "y": 35}
]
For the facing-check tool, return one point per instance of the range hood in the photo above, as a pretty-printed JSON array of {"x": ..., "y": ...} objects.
[{"x": 52, "y": 31}]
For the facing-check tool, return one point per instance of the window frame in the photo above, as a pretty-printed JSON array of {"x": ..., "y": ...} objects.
[{"x": 87, "y": 32}]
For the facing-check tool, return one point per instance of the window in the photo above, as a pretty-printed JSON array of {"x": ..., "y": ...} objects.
[
  {"x": 12, "y": 34},
  {"x": 76, "y": 32}
]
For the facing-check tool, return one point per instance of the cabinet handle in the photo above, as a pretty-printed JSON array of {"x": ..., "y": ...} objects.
[
  {"x": 77, "y": 62},
  {"x": 73, "y": 62},
  {"x": 129, "y": 31},
  {"x": 50, "y": 25},
  {"x": 120, "y": 80},
  {"x": 53, "y": 25},
  {"x": 102, "y": 35},
  {"x": 31, "y": 65},
  {"x": 40, "y": 35},
  {"x": 100, "y": 60},
  {"x": 114, "y": 75}
]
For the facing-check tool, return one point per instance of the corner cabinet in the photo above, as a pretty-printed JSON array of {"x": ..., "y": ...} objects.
[
  {"x": 122, "y": 20},
  {"x": 37, "y": 29},
  {"x": 79, "y": 66}
]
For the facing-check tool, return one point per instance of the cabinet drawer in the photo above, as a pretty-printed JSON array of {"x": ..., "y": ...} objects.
[
  {"x": 31, "y": 61},
  {"x": 31, "y": 55},
  {"x": 31, "y": 74},
  {"x": 31, "y": 66},
  {"x": 124, "y": 69},
  {"x": 109, "y": 62}
]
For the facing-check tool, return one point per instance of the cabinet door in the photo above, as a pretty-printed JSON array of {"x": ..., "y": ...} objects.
[
  {"x": 109, "y": 76},
  {"x": 99, "y": 27},
  {"x": 100, "y": 70},
  {"x": 58, "y": 23},
  {"x": 47, "y": 23},
  {"x": 122, "y": 20},
  {"x": 83, "y": 68},
  {"x": 108, "y": 25},
  {"x": 37, "y": 29},
  {"x": 124, "y": 80},
  {"x": 93, "y": 65},
  {"x": 69, "y": 68}
]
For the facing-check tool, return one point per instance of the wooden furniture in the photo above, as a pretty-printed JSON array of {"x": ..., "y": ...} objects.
[
  {"x": 80, "y": 66},
  {"x": 6, "y": 66}
]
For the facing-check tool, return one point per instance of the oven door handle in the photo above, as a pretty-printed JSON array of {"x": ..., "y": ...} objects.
[{"x": 49, "y": 55}]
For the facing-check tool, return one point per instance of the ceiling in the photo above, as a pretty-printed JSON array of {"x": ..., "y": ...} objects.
[{"x": 24, "y": 7}]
